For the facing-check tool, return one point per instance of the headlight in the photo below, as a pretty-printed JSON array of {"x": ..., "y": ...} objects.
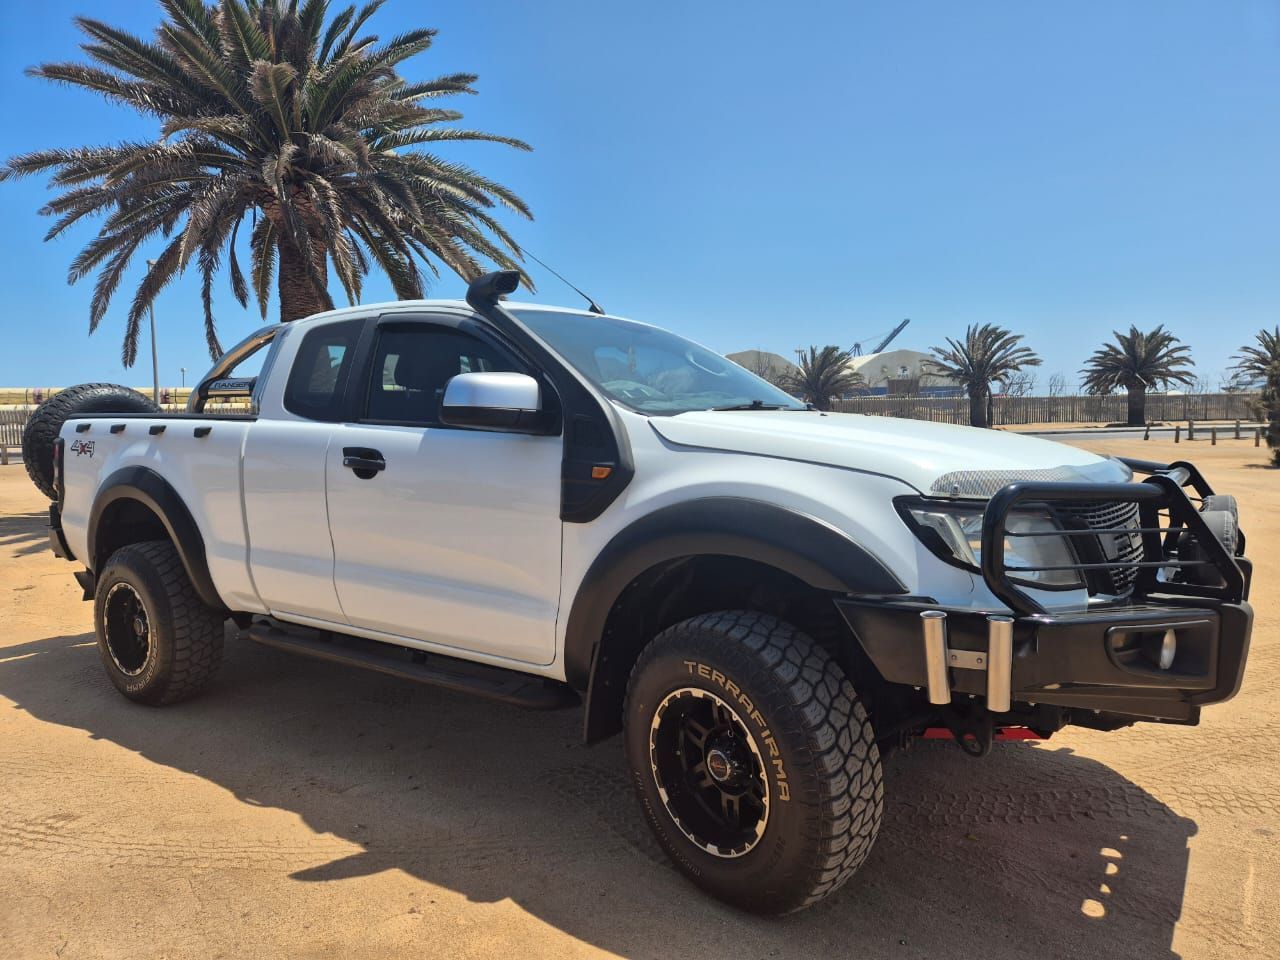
[{"x": 953, "y": 531}]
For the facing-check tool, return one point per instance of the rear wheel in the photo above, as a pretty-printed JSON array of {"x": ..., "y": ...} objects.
[
  {"x": 159, "y": 643},
  {"x": 753, "y": 759}
]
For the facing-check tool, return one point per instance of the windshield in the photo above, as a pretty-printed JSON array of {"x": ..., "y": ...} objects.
[{"x": 650, "y": 370}]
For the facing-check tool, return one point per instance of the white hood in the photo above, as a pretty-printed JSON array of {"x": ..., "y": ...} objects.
[{"x": 932, "y": 457}]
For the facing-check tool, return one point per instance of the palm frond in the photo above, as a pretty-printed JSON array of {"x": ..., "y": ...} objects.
[{"x": 287, "y": 112}]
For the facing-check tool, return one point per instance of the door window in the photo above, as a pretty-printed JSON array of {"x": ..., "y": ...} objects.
[{"x": 412, "y": 366}]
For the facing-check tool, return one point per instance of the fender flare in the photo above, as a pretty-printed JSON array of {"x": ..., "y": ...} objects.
[
  {"x": 809, "y": 549},
  {"x": 155, "y": 492}
]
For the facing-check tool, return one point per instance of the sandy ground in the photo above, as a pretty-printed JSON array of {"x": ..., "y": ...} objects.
[{"x": 299, "y": 810}]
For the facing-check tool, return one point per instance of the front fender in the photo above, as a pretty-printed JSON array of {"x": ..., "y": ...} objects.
[{"x": 803, "y": 546}]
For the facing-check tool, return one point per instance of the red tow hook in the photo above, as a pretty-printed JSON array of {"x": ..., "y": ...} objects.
[{"x": 1003, "y": 734}]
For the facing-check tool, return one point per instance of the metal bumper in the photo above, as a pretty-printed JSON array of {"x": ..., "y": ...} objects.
[{"x": 1143, "y": 660}]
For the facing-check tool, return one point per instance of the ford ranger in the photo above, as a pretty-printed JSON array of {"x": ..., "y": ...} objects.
[{"x": 552, "y": 507}]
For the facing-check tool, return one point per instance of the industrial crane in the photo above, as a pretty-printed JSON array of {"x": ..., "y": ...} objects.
[{"x": 857, "y": 347}]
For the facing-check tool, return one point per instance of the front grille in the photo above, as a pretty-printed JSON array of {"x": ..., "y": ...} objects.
[{"x": 1104, "y": 515}]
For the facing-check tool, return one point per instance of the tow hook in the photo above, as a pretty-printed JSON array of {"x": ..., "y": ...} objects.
[{"x": 973, "y": 734}]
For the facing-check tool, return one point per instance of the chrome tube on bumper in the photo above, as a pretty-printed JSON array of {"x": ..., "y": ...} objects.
[{"x": 996, "y": 663}]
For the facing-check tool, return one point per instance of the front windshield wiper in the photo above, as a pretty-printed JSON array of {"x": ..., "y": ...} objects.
[{"x": 756, "y": 405}]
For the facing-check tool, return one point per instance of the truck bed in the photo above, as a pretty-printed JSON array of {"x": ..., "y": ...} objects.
[{"x": 199, "y": 455}]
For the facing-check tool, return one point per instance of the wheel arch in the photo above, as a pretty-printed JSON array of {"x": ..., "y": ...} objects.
[
  {"x": 696, "y": 557},
  {"x": 135, "y": 504}
]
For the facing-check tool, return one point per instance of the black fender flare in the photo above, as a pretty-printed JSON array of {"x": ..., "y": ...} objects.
[
  {"x": 153, "y": 491},
  {"x": 809, "y": 549}
]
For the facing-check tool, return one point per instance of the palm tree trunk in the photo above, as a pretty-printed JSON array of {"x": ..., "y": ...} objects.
[
  {"x": 1271, "y": 409},
  {"x": 1137, "y": 405},
  {"x": 977, "y": 407},
  {"x": 298, "y": 295}
]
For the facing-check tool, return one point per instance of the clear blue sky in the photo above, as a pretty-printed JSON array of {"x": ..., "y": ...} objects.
[{"x": 772, "y": 175}]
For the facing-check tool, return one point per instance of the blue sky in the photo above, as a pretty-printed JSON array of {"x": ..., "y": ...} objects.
[{"x": 770, "y": 176}]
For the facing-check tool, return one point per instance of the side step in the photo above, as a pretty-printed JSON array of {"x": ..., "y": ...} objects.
[{"x": 494, "y": 683}]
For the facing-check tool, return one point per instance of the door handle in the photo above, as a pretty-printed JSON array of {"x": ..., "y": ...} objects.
[{"x": 364, "y": 461}]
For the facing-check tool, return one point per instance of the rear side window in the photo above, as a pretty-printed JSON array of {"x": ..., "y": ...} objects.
[{"x": 318, "y": 381}]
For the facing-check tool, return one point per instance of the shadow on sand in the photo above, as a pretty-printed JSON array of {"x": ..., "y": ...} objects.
[
  {"x": 1033, "y": 851},
  {"x": 23, "y": 533}
]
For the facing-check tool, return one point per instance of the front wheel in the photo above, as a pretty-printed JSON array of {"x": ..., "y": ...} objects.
[{"x": 753, "y": 759}]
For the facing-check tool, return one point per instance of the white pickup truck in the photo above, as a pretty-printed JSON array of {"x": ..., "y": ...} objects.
[{"x": 549, "y": 506}]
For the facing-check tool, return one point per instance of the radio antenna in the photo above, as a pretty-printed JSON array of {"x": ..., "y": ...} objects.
[{"x": 592, "y": 306}]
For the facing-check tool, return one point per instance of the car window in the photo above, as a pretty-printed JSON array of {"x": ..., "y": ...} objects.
[
  {"x": 317, "y": 382},
  {"x": 412, "y": 366}
]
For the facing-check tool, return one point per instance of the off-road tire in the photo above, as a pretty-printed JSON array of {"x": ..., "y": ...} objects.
[
  {"x": 46, "y": 422},
  {"x": 184, "y": 646},
  {"x": 805, "y": 717}
]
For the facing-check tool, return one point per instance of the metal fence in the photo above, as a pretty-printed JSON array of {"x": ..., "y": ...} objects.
[{"x": 1073, "y": 409}]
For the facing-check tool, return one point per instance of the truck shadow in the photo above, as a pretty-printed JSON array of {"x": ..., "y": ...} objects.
[
  {"x": 1034, "y": 851},
  {"x": 24, "y": 533}
]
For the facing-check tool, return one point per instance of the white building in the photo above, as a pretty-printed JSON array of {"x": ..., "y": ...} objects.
[{"x": 901, "y": 372}]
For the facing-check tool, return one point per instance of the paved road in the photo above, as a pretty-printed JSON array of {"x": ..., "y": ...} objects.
[{"x": 1137, "y": 433}]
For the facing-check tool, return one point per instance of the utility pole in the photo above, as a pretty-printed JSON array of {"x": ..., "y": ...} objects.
[
  {"x": 184, "y": 375},
  {"x": 155, "y": 357}
]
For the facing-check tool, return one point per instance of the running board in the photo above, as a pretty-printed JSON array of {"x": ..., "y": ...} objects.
[{"x": 493, "y": 683}]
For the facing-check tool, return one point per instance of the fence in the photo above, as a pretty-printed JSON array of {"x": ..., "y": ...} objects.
[
  {"x": 11, "y": 424},
  {"x": 1073, "y": 409}
]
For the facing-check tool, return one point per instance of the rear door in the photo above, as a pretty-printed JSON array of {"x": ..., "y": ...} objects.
[
  {"x": 456, "y": 540},
  {"x": 286, "y": 516}
]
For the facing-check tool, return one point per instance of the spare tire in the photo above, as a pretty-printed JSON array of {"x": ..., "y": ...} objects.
[{"x": 46, "y": 422}]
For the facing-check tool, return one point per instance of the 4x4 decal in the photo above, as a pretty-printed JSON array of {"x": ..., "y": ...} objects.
[{"x": 82, "y": 448}]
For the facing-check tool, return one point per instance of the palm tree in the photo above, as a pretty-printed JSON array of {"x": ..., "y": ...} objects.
[
  {"x": 987, "y": 354},
  {"x": 270, "y": 111},
  {"x": 1261, "y": 365},
  {"x": 822, "y": 376},
  {"x": 1136, "y": 362}
]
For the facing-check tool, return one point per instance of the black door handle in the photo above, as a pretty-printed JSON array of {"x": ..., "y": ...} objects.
[{"x": 364, "y": 461}]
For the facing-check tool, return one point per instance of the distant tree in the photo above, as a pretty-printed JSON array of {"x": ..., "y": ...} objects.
[
  {"x": 1259, "y": 364},
  {"x": 762, "y": 366},
  {"x": 1020, "y": 384},
  {"x": 1136, "y": 362},
  {"x": 1057, "y": 384},
  {"x": 987, "y": 354},
  {"x": 823, "y": 375},
  {"x": 280, "y": 122}
]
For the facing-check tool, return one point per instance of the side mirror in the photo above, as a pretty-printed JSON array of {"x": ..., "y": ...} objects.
[{"x": 509, "y": 402}]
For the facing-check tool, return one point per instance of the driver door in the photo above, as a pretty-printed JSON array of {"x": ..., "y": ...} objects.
[{"x": 455, "y": 541}]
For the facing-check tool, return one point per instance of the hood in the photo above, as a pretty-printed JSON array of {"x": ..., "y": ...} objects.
[{"x": 935, "y": 458}]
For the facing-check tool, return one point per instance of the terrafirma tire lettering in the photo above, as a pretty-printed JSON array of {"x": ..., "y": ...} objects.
[
  {"x": 762, "y": 729},
  {"x": 753, "y": 759}
]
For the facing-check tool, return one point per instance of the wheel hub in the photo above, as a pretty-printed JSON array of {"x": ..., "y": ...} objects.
[
  {"x": 720, "y": 765},
  {"x": 126, "y": 629},
  {"x": 709, "y": 772}
]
